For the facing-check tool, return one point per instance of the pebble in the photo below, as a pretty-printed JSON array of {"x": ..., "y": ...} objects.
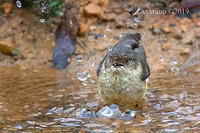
[
  {"x": 166, "y": 47},
  {"x": 185, "y": 51},
  {"x": 92, "y": 9}
]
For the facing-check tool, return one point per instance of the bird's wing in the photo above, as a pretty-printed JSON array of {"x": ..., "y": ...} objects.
[{"x": 140, "y": 53}]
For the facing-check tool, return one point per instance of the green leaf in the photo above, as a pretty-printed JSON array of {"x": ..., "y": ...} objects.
[
  {"x": 58, "y": 12},
  {"x": 53, "y": 3}
]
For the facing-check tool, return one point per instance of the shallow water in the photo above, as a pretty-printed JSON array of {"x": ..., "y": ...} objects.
[{"x": 50, "y": 100}]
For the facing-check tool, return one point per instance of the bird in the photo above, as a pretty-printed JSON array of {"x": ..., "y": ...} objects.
[
  {"x": 123, "y": 72},
  {"x": 65, "y": 40}
]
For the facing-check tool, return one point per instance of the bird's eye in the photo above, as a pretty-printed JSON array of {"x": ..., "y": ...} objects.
[{"x": 134, "y": 45}]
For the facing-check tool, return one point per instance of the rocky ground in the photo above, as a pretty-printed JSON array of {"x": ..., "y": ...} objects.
[{"x": 27, "y": 41}]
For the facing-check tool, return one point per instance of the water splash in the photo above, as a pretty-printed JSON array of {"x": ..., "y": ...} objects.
[
  {"x": 109, "y": 112},
  {"x": 91, "y": 62},
  {"x": 105, "y": 112},
  {"x": 83, "y": 76},
  {"x": 173, "y": 65}
]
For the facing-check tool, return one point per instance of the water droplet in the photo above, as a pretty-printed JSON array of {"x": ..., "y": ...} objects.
[
  {"x": 136, "y": 20},
  {"x": 18, "y": 4},
  {"x": 175, "y": 70},
  {"x": 127, "y": 24},
  {"x": 31, "y": 122},
  {"x": 173, "y": 61},
  {"x": 70, "y": 22},
  {"x": 83, "y": 76},
  {"x": 68, "y": 59},
  {"x": 193, "y": 86},
  {"x": 89, "y": 75},
  {"x": 130, "y": 10},
  {"x": 91, "y": 62},
  {"x": 108, "y": 28},
  {"x": 92, "y": 81},
  {"x": 43, "y": 9},
  {"x": 105, "y": 112},
  {"x": 133, "y": 113},
  {"x": 147, "y": 80},
  {"x": 110, "y": 48},
  {"x": 184, "y": 73},
  {"x": 19, "y": 127},
  {"x": 42, "y": 20},
  {"x": 161, "y": 58},
  {"x": 135, "y": 25},
  {"x": 85, "y": 83},
  {"x": 127, "y": 89},
  {"x": 121, "y": 36},
  {"x": 79, "y": 58}
]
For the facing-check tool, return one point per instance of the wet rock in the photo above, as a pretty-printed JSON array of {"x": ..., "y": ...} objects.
[
  {"x": 7, "y": 7},
  {"x": 188, "y": 37},
  {"x": 122, "y": 20},
  {"x": 197, "y": 70},
  {"x": 16, "y": 21},
  {"x": 103, "y": 15},
  {"x": 99, "y": 47},
  {"x": 104, "y": 2},
  {"x": 185, "y": 51},
  {"x": 8, "y": 49},
  {"x": 92, "y": 9},
  {"x": 185, "y": 24},
  {"x": 155, "y": 30},
  {"x": 173, "y": 31},
  {"x": 166, "y": 47},
  {"x": 83, "y": 27}
]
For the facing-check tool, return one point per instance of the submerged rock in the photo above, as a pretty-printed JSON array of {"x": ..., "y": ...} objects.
[
  {"x": 65, "y": 39},
  {"x": 7, "y": 49}
]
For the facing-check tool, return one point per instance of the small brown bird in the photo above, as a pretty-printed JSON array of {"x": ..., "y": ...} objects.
[
  {"x": 123, "y": 72},
  {"x": 65, "y": 38}
]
